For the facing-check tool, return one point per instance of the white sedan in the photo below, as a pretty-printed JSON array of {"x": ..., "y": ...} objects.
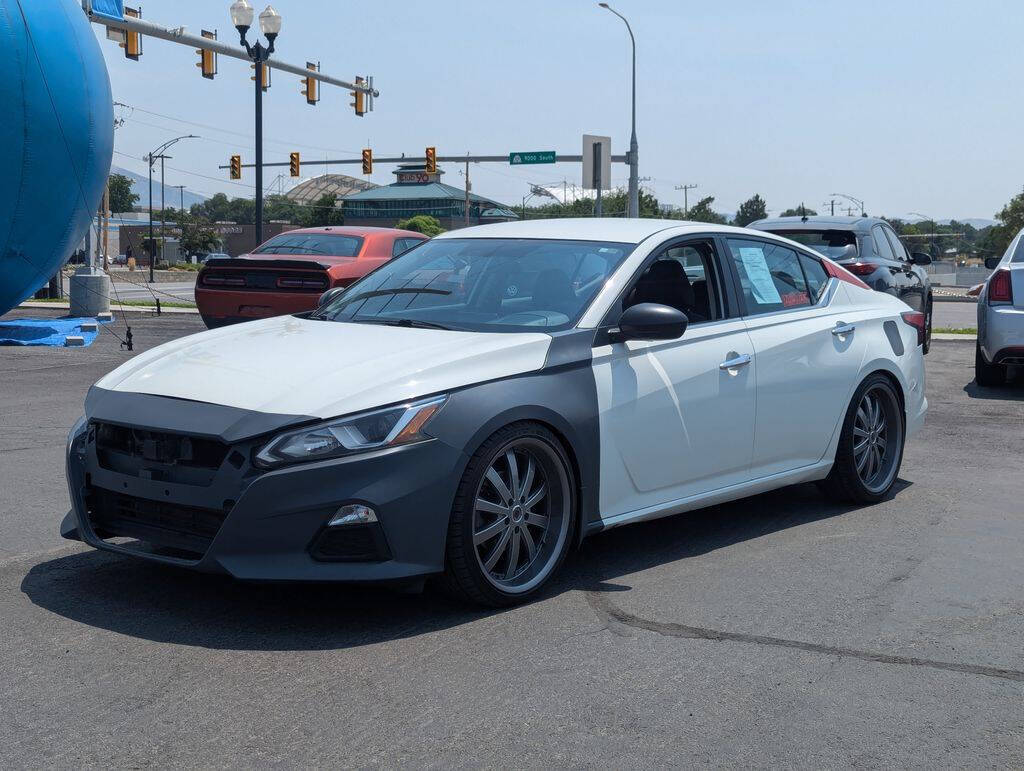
[{"x": 476, "y": 406}]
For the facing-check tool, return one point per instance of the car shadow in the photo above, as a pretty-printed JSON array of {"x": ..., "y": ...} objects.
[
  {"x": 1013, "y": 391},
  {"x": 166, "y": 604}
]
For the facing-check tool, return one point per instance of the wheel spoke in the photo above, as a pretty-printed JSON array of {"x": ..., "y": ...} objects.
[
  {"x": 491, "y": 508},
  {"x": 513, "y": 556},
  {"x": 513, "y": 474},
  {"x": 859, "y": 431},
  {"x": 498, "y": 550},
  {"x": 489, "y": 531},
  {"x": 534, "y": 499},
  {"x": 531, "y": 547},
  {"x": 880, "y": 439},
  {"x": 861, "y": 460},
  {"x": 537, "y": 520},
  {"x": 859, "y": 447},
  {"x": 499, "y": 484},
  {"x": 862, "y": 416},
  {"x": 531, "y": 469}
]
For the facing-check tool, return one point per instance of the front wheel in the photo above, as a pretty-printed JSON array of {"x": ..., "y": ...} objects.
[
  {"x": 512, "y": 519},
  {"x": 870, "y": 447}
]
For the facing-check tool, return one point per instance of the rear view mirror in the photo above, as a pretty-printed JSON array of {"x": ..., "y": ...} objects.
[
  {"x": 651, "y": 321},
  {"x": 847, "y": 252},
  {"x": 992, "y": 262},
  {"x": 920, "y": 258},
  {"x": 329, "y": 295}
]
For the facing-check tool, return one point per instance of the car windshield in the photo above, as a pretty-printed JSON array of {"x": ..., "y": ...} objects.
[
  {"x": 832, "y": 243},
  {"x": 483, "y": 285},
  {"x": 312, "y": 243}
]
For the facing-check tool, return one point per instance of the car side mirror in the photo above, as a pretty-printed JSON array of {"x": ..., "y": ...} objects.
[
  {"x": 920, "y": 258},
  {"x": 329, "y": 295},
  {"x": 651, "y": 321},
  {"x": 992, "y": 262}
]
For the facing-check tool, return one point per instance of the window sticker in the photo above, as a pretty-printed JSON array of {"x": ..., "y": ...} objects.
[{"x": 761, "y": 284}]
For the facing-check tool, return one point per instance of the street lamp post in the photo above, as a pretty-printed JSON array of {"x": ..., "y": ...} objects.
[
  {"x": 270, "y": 24},
  {"x": 634, "y": 168},
  {"x": 152, "y": 156},
  {"x": 856, "y": 201}
]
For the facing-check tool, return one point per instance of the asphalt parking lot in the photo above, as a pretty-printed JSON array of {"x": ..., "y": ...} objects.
[{"x": 777, "y": 631}]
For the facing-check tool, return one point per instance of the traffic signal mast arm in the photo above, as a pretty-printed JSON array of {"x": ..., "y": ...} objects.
[
  {"x": 439, "y": 159},
  {"x": 150, "y": 29}
]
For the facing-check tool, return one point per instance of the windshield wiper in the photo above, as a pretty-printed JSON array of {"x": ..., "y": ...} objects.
[{"x": 411, "y": 323}]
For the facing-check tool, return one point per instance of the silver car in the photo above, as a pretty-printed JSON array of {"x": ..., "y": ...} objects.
[{"x": 1001, "y": 317}]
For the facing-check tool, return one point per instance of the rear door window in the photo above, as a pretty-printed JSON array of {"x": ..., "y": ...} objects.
[
  {"x": 815, "y": 275},
  {"x": 882, "y": 246},
  {"x": 771, "y": 277},
  {"x": 897, "y": 245}
]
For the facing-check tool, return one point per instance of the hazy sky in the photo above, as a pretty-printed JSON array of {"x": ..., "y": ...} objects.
[{"x": 910, "y": 105}]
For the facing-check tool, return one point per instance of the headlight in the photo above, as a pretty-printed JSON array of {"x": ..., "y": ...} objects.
[{"x": 366, "y": 431}]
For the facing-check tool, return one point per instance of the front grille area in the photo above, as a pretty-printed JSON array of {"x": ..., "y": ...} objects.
[
  {"x": 160, "y": 523},
  {"x": 157, "y": 455}
]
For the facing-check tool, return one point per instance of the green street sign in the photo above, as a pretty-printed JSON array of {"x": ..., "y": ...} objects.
[{"x": 538, "y": 156}]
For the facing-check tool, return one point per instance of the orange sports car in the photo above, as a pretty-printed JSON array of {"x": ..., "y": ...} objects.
[{"x": 289, "y": 272}]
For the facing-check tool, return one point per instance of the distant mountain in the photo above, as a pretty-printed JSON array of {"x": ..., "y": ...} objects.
[{"x": 172, "y": 197}]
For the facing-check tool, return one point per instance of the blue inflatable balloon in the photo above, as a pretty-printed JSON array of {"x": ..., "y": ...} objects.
[{"x": 56, "y": 139}]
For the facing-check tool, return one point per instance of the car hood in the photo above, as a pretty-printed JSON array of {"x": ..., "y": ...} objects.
[{"x": 291, "y": 365}]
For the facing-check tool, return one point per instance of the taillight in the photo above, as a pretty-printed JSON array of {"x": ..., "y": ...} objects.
[
  {"x": 301, "y": 283},
  {"x": 861, "y": 268},
  {"x": 1000, "y": 290},
  {"x": 214, "y": 280},
  {"x": 916, "y": 319}
]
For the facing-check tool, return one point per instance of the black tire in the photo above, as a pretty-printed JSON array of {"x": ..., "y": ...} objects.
[
  {"x": 850, "y": 478},
  {"x": 985, "y": 374},
  {"x": 927, "y": 326},
  {"x": 466, "y": 578}
]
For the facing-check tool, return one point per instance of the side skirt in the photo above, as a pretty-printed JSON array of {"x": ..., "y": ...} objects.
[{"x": 809, "y": 473}]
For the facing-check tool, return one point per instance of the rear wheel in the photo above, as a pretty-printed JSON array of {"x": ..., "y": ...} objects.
[
  {"x": 927, "y": 326},
  {"x": 870, "y": 447},
  {"x": 985, "y": 374},
  {"x": 512, "y": 519}
]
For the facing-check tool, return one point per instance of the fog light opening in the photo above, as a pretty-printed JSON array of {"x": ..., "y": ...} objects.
[{"x": 353, "y": 514}]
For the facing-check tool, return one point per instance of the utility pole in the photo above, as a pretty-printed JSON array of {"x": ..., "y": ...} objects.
[
  {"x": 106, "y": 225},
  {"x": 598, "y": 182},
  {"x": 181, "y": 192},
  {"x": 152, "y": 243},
  {"x": 686, "y": 199},
  {"x": 163, "y": 205},
  {"x": 467, "y": 192}
]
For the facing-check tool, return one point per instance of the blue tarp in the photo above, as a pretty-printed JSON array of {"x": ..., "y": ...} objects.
[{"x": 44, "y": 331}]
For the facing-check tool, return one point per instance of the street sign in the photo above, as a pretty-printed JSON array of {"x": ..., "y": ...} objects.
[
  {"x": 111, "y": 9},
  {"x": 597, "y": 162},
  {"x": 538, "y": 156}
]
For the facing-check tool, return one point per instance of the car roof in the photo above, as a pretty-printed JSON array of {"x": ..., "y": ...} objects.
[
  {"x": 353, "y": 230},
  {"x": 612, "y": 229},
  {"x": 858, "y": 224}
]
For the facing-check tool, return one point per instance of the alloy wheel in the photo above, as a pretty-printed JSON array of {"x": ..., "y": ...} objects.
[
  {"x": 876, "y": 439},
  {"x": 521, "y": 515}
]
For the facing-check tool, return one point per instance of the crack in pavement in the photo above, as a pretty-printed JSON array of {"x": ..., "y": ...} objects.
[{"x": 612, "y": 613}]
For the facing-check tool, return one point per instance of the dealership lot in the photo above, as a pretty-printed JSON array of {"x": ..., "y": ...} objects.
[{"x": 778, "y": 630}]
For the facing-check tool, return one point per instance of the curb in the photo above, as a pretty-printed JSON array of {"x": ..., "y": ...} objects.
[
  {"x": 151, "y": 309},
  {"x": 954, "y": 338}
]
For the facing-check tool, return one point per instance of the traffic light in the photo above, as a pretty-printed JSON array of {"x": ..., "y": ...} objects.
[
  {"x": 236, "y": 167},
  {"x": 367, "y": 161},
  {"x": 207, "y": 63},
  {"x": 294, "y": 164},
  {"x": 265, "y": 69},
  {"x": 310, "y": 86},
  {"x": 132, "y": 44},
  {"x": 431, "y": 160},
  {"x": 358, "y": 102}
]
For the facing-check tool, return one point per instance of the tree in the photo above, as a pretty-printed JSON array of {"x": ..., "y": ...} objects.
[
  {"x": 121, "y": 196},
  {"x": 1012, "y": 219},
  {"x": 421, "y": 223},
  {"x": 197, "y": 237},
  {"x": 799, "y": 211},
  {"x": 702, "y": 212},
  {"x": 750, "y": 210},
  {"x": 323, "y": 211}
]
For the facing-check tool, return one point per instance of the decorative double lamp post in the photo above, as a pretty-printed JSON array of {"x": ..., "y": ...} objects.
[{"x": 270, "y": 24}]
